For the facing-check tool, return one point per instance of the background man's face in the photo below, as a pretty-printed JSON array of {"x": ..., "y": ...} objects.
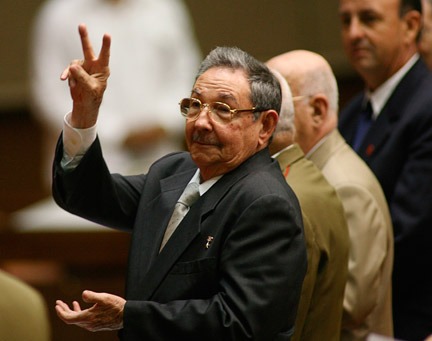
[
  {"x": 425, "y": 44},
  {"x": 371, "y": 33}
]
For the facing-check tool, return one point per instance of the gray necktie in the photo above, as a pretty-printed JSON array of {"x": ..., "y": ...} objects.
[{"x": 189, "y": 196}]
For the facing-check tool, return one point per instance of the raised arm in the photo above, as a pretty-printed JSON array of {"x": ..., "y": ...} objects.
[{"x": 88, "y": 80}]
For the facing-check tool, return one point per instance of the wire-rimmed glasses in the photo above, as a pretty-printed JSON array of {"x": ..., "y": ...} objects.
[{"x": 219, "y": 112}]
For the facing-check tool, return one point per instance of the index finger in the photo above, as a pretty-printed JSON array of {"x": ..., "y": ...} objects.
[{"x": 85, "y": 42}]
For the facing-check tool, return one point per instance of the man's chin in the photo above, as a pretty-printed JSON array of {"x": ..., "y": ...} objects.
[{"x": 363, "y": 65}]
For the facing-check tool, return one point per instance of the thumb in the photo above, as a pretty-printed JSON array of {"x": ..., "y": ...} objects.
[
  {"x": 80, "y": 75},
  {"x": 89, "y": 296}
]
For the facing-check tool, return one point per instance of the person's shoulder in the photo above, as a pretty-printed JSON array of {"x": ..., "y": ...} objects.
[
  {"x": 303, "y": 176},
  {"x": 417, "y": 82},
  {"x": 414, "y": 101},
  {"x": 349, "y": 173},
  {"x": 316, "y": 195},
  {"x": 348, "y": 167},
  {"x": 176, "y": 160},
  {"x": 19, "y": 289},
  {"x": 169, "y": 165},
  {"x": 266, "y": 180},
  {"x": 28, "y": 313}
]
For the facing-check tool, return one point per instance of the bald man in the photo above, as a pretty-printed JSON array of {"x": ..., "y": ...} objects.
[
  {"x": 319, "y": 315},
  {"x": 367, "y": 302}
]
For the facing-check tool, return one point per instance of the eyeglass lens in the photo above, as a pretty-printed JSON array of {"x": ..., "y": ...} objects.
[{"x": 191, "y": 108}]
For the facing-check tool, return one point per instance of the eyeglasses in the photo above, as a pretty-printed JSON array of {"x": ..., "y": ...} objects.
[{"x": 218, "y": 111}]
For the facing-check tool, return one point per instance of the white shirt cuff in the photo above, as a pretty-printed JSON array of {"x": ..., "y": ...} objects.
[{"x": 76, "y": 142}]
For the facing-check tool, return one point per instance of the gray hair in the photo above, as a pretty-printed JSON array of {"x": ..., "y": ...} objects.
[
  {"x": 286, "y": 115},
  {"x": 265, "y": 93}
]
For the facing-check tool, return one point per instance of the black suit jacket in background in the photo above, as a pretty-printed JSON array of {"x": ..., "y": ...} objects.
[
  {"x": 398, "y": 149},
  {"x": 245, "y": 285}
]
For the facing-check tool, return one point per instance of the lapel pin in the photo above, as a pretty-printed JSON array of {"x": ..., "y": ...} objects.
[
  {"x": 369, "y": 150},
  {"x": 209, "y": 241}
]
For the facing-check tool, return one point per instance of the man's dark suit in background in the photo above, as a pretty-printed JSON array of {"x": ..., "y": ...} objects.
[
  {"x": 380, "y": 38},
  {"x": 398, "y": 149}
]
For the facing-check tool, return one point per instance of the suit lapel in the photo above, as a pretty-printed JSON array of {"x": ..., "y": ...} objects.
[
  {"x": 397, "y": 104},
  {"x": 376, "y": 136},
  {"x": 184, "y": 234},
  {"x": 160, "y": 211}
]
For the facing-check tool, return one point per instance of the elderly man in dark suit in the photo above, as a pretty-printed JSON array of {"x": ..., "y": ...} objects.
[
  {"x": 233, "y": 267},
  {"x": 390, "y": 127}
]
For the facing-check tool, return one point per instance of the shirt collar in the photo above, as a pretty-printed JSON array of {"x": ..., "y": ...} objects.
[
  {"x": 319, "y": 143},
  {"x": 206, "y": 185},
  {"x": 274, "y": 156},
  {"x": 380, "y": 96}
]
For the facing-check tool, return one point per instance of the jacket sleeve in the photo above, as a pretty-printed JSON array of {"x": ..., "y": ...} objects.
[
  {"x": 370, "y": 246},
  {"x": 91, "y": 192},
  {"x": 314, "y": 259},
  {"x": 410, "y": 207}
]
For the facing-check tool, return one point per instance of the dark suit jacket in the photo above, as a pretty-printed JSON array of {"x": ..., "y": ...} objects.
[
  {"x": 398, "y": 149},
  {"x": 246, "y": 285}
]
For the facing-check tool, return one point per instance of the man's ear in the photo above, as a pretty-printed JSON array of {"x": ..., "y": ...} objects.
[
  {"x": 269, "y": 120},
  {"x": 412, "y": 25},
  {"x": 320, "y": 105}
]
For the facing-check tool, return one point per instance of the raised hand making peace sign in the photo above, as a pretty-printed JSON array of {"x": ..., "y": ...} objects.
[{"x": 88, "y": 80}]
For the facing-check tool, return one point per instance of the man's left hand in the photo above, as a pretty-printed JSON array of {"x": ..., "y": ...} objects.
[{"x": 105, "y": 314}]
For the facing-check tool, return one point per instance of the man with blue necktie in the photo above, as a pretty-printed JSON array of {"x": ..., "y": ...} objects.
[{"x": 380, "y": 39}]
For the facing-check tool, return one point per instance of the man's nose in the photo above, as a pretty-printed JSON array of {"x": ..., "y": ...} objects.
[
  {"x": 355, "y": 29},
  {"x": 203, "y": 121}
]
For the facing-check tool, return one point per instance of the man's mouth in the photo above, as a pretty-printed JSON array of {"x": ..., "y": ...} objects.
[
  {"x": 359, "y": 50},
  {"x": 205, "y": 140}
]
